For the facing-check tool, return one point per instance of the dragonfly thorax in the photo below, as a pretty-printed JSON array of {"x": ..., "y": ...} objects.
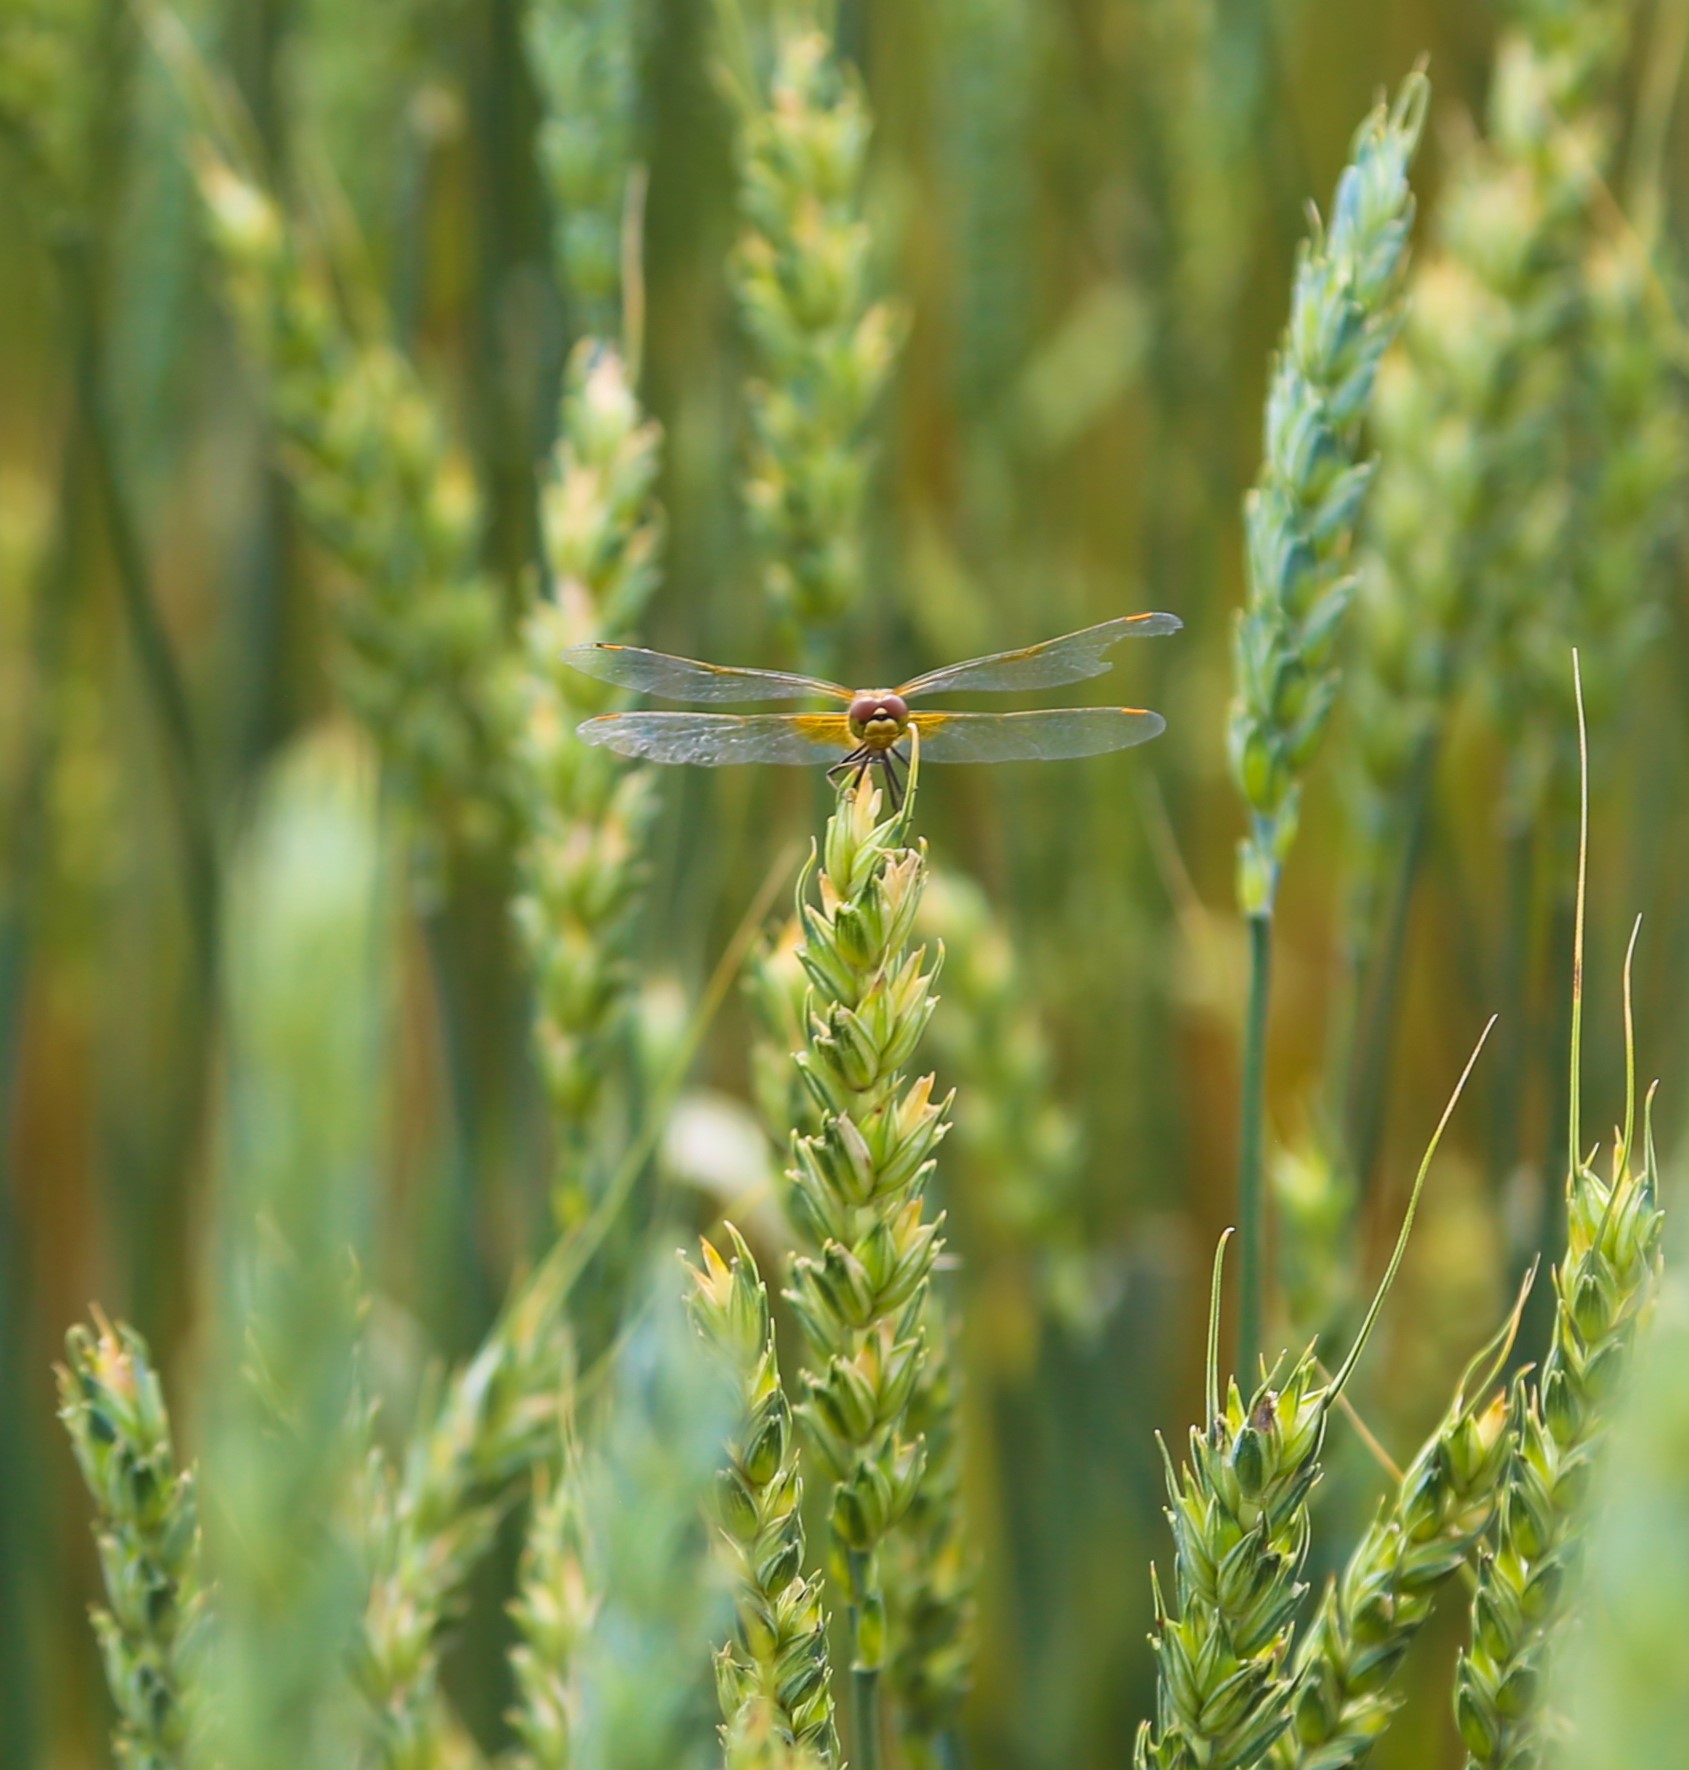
[{"x": 879, "y": 719}]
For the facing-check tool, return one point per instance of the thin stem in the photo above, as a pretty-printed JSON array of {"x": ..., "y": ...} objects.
[
  {"x": 1574, "y": 1141},
  {"x": 1251, "y": 1186},
  {"x": 864, "y": 1680},
  {"x": 865, "y": 1712}
]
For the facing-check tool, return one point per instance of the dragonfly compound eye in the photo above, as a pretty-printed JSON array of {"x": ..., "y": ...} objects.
[{"x": 879, "y": 713}]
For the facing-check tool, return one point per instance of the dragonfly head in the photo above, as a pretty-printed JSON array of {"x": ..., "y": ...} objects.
[{"x": 879, "y": 719}]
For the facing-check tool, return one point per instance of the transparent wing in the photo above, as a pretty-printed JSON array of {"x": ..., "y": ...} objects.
[
  {"x": 686, "y": 679},
  {"x": 1033, "y": 737},
  {"x": 712, "y": 740},
  {"x": 1071, "y": 658}
]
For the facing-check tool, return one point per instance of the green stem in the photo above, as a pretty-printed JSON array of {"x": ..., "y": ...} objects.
[
  {"x": 864, "y": 1679},
  {"x": 1252, "y": 1223},
  {"x": 865, "y": 1714}
]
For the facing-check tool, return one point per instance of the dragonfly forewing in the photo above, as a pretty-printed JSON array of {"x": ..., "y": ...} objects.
[
  {"x": 686, "y": 679},
  {"x": 1071, "y": 658}
]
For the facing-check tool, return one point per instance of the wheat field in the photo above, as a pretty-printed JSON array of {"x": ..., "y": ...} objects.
[{"x": 1006, "y": 1245}]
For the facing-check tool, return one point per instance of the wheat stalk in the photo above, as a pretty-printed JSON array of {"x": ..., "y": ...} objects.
[
  {"x": 428, "y": 1522},
  {"x": 1301, "y": 516},
  {"x": 146, "y": 1524},
  {"x": 555, "y": 1607},
  {"x": 1530, "y": 387},
  {"x": 1300, "y": 523},
  {"x": 775, "y": 1676},
  {"x": 823, "y": 343},
  {"x": 582, "y": 855},
  {"x": 581, "y": 861},
  {"x": 388, "y": 496},
  {"x": 1227, "y": 1686},
  {"x": 1423, "y": 1535},
  {"x": 859, "y": 1289},
  {"x": 930, "y": 1573},
  {"x": 583, "y": 55}
]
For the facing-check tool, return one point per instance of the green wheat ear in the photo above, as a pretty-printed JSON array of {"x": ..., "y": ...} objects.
[
  {"x": 1300, "y": 517},
  {"x": 776, "y": 1667},
  {"x": 147, "y": 1530},
  {"x": 1603, "y": 1287},
  {"x": 1420, "y": 1539},
  {"x": 862, "y": 1152},
  {"x": 1226, "y": 1685},
  {"x": 381, "y": 481},
  {"x": 822, "y": 343}
]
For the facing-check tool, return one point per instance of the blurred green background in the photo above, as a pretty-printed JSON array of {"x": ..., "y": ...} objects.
[{"x": 1090, "y": 209}]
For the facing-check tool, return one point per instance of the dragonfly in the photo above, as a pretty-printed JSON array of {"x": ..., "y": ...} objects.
[{"x": 868, "y": 729}]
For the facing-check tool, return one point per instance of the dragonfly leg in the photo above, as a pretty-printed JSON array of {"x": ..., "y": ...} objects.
[
  {"x": 844, "y": 766},
  {"x": 894, "y": 784}
]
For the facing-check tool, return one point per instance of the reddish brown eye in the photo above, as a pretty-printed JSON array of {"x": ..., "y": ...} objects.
[{"x": 869, "y": 709}]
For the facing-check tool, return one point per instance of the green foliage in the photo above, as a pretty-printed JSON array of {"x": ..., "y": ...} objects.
[
  {"x": 1620, "y": 1678},
  {"x": 1017, "y": 1144},
  {"x": 48, "y": 106},
  {"x": 307, "y": 924}
]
